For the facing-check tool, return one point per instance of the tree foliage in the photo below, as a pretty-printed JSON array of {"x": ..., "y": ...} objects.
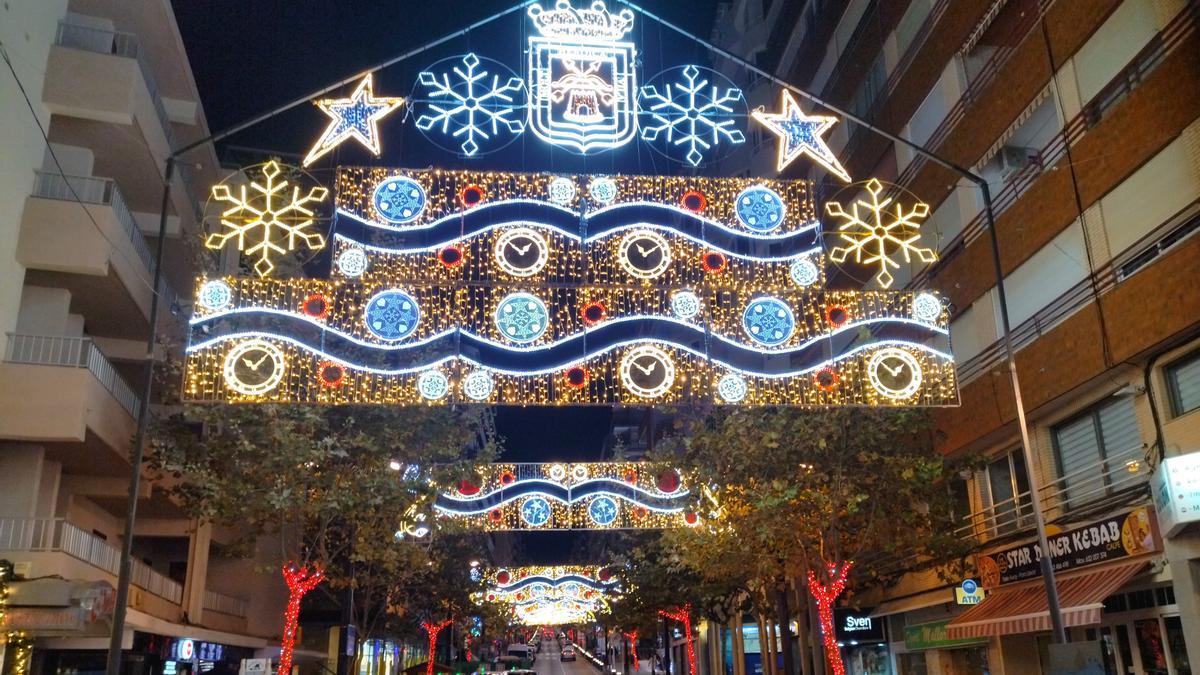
[{"x": 324, "y": 483}]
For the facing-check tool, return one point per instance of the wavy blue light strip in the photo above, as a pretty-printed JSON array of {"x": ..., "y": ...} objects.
[
  {"x": 555, "y": 582},
  {"x": 560, "y": 493}
]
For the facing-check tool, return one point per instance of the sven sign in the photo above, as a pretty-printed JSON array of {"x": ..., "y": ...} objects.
[
  {"x": 857, "y": 625},
  {"x": 1123, "y": 535}
]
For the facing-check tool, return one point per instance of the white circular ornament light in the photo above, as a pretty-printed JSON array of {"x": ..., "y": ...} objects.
[
  {"x": 433, "y": 385},
  {"x": 478, "y": 385},
  {"x": 685, "y": 304},
  {"x": 603, "y": 190},
  {"x": 561, "y": 191},
  {"x": 732, "y": 388},
  {"x": 215, "y": 295},
  {"x": 647, "y": 371},
  {"x": 521, "y": 252},
  {"x": 352, "y": 262},
  {"x": 926, "y": 307},
  {"x": 804, "y": 272}
]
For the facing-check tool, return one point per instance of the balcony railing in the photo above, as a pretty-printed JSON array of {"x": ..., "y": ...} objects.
[
  {"x": 126, "y": 45},
  {"x": 92, "y": 190},
  {"x": 55, "y": 535},
  {"x": 219, "y": 602},
  {"x": 72, "y": 352}
]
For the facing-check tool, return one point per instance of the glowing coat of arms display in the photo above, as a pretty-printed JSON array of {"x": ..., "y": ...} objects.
[{"x": 582, "y": 80}]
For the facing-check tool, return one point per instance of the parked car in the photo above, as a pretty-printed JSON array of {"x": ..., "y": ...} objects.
[{"x": 568, "y": 654}]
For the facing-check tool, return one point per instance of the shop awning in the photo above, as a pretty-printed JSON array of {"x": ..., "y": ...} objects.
[{"x": 1023, "y": 608}]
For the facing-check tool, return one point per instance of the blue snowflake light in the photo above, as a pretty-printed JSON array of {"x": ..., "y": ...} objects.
[
  {"x": 535, "y": 511},
  {"x": 392, "y": 315},
  {"x": 602, "y": 510},
  {"x": 399, "y": 199},
  {"x": 759, "y": 208},
  {"x": 471, "y": 104},
  {"x": 522, "y": 317},
  {"x": 768, "y": 321},
  {"x": 691, "y": 113}
]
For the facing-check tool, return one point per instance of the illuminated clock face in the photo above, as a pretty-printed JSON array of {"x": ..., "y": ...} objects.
[
  {"x": 644, "y": 254},
  {"x": 521, "y": 252},
  {"x": 894, "y": 373},
  {"x": 254, "y": 367},
  {"x": 647, "y": 371}
]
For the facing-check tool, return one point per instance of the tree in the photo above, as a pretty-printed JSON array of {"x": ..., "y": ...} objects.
[
  {"x": 335, "y": 486},
  {"x": 809, "y": 492}
]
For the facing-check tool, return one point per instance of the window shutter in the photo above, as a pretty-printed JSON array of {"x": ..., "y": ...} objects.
[
  {"x": 1078, "y": 451},
  {"x": 1185, "y": 382}
]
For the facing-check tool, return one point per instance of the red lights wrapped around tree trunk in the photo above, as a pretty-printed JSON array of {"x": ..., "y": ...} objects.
[
  {"x": 433, "y": 629},
  {"x": 824, "y": 595},
  {"x": 684, "y": 616},
  {"x": 299, "y": 580}
]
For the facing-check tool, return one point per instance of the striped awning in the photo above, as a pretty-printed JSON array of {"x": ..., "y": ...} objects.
[{"x": 1023, "y": 608}]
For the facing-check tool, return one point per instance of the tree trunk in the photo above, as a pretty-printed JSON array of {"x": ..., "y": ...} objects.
[
  {"x": 824, "y": 594},
  {"x": 739, "y": 645},
  {"x": 785, "y": 631},
  {"x": 666, "y": 645},
  {"x": 802, "y": 634}
]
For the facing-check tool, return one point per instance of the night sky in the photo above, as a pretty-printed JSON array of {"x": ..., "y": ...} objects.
[{"x": 250, "y": 57}]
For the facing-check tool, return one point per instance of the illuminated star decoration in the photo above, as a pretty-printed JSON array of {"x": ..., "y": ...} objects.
[
  {"x": 801, "y": 134},
  {"x": 265, "y": 220},
  {"x": 356, "y": 117},
  {"x": 875, "y": 238}
]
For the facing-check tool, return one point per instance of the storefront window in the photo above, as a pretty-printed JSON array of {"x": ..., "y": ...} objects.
[
  {"x": 1175, "y": 645},
  {"x": 867, "y": 660},
  {"x": 1150, "y": 644},
  {"x": 1124, "y": 648},
  {"x": 913, "y": 664}
]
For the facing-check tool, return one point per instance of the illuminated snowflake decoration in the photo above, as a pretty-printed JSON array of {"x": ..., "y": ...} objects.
[
  {"x": 471, "y": 104},
  {"x": 732, "y": 388},
  {"x": 691, "y": 113},
  {"x": 877, "y": 237},
  {"x": 215, "y": 295},
  {"x": 478, "y": 385},
  {"x": 522, "y": 317},
  {"x": 769, "y": 321},
  {"x": 352, "y": 262},
  {"x": 433, "y": 385},
  {"x": 535, "y": 511},
  {"x": 602, "y": 510},
  {"x": 267, "y": 219}
]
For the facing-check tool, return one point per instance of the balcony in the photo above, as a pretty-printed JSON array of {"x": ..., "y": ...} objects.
[
  {"x": 78, "y": 233},
  {"x": 96, "y": 78},
  {"x": 69, "y": 392}
]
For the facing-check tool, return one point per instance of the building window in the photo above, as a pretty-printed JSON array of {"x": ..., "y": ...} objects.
[
  {"x": 1004, "y": 484},
  {"x": 1183, "y": 379},
  {"x": 1093, "y": 450}
]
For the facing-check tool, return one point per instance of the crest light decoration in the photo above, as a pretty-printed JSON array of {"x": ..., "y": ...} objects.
[
  {"x": 582, "y": 77},
  {"x": 583, "y": 303},
  {"x": 355, "y": 117},
  {"x": 583, "y": 496},
  {"x": 876, "y": 237},
  {"x": 268, "y": 218},
  {"x": 801, "y": 134}
]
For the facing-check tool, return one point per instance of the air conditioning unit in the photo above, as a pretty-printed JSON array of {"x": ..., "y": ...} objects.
[{"x": 1013, "y": 159}]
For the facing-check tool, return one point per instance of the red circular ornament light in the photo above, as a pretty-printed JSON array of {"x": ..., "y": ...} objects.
[
  {"x": 604, "y": 574},
  {"x": 593, "y": 313},
  {"x": 630, "y": 476},
  {"x": 507, "y": 478},
  {"x": 837, "y": 315},
  {"x": 331, "y": 374},
  {"x": 471, "y": 195},
  {"x": 315, "y": 306},
  {"x": 502, "y": 576},
  {"x": 713, "y": 261},
  {"x": 826, "y": 379},
  {"x": 576, "y": 377},
  {"x": 691, "y": 518},
  {"x": 668, "y": 481},
  {"x": 467, "y": 487},
  {"x": 451, "y": 256},
  {"x": 694, "y": 201},
  {"x": 495, "y": 515}
]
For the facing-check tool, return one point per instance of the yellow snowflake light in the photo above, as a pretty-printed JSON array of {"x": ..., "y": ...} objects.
[
  {"x": 878, "y": 236},
  {"x": 265, "y": 220}
]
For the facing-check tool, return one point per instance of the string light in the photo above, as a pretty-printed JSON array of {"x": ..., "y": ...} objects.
[
  {"x": 632, "y": 636},
  {"x": 824, "y": 595},
  {"x": 609, "y": 306},
  {"x": 354, "y": 117},
  {"x": 594, "y": 495},
  {"x": 801, "y": 134},
  {"x": 18, "y": 647},
  {"x": 684, "y": 616},
  {"x": 300, "y": 580}
]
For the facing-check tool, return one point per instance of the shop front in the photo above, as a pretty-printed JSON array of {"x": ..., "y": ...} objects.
[
  {"x": 863, "y": 641},
  {"x": 928, "y": 650}
]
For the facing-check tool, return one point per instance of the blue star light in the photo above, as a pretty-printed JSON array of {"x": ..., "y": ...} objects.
[
  {"x": 355, "y": 117},
  {"x": 801, "y": 134}
]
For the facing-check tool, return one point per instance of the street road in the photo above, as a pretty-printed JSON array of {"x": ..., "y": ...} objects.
[{"x": 548, "y": 662}]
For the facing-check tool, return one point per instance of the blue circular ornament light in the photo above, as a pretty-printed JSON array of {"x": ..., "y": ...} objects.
[
  {"x": 392, "y": 315},
  {"x": 759, "y": 208},
  {"x": 602, "y": 510},
  {"x": 399, "y": 199},
  {"x": 535, "y": 511},
  {"x": 522, "y": 317},
  {"x": 768, "y": 321}
]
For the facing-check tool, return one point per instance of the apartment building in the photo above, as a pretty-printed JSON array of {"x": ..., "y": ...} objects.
[
  {"x": 1084, "y": 117},
  {"x": 94, "y": 94}
]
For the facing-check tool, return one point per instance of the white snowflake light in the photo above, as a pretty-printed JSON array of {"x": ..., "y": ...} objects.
[
  {"x": 685, "y": 304},
  {"x": 478, "y": 385},
  {"x": 603, "y": 189},
  {"x": 732, "y": 388},
  {"x": 215, "y": 295},
  {"x": 877, "y": 236},
  {"x": 472, "y": 104},
  {"x": 433, "y": 385},
  {"x": 691, "y": 113},
  {"x": 926, "y": 307},
  {"x": 804, "y": 272}
]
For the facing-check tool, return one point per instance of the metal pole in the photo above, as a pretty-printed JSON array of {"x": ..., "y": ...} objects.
[
  {"x": 139, "y": 441},
  {"x": 1052, "y": 603}
]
